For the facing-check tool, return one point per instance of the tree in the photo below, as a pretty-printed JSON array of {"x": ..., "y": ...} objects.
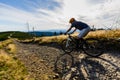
[
  {"x": 61, "y": 32},
  {"x": 54, "y": 33}
]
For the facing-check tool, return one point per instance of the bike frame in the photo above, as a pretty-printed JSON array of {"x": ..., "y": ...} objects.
[{"x": 70, "y": 38}]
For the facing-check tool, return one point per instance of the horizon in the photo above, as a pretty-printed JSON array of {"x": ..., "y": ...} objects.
[
  {"x": 24, "y": 15},
  {"x": 50, "y": 30}
]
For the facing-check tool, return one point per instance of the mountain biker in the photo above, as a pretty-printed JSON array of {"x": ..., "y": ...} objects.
[{"x": 81, "y": 26}]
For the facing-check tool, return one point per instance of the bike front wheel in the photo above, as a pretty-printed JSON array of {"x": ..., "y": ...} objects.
[
  {"x": 93, "y": 47},
  {"x": 67, "y": 46}
]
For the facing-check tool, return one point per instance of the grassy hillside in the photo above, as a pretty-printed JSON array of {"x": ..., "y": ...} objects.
[
  {"x": 10, "y": 67},
  {"x": 107, "y": 37},
  {"x": 16, "y": 34},
  {"x": 105, "y": 34},
  {"x": 100, "y": 34},
  {"x": 110, "y": 38}
]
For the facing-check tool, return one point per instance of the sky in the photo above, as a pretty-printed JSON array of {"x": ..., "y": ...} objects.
[{"x": 17, "y": 15}]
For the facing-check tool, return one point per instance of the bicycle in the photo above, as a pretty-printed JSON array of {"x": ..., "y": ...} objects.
[
  {"x": 65, "y": 61},
  {"x": 90, "y": 46}
]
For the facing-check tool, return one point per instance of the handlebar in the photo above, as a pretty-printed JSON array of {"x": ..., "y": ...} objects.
[{"x": 67, "y": 33}]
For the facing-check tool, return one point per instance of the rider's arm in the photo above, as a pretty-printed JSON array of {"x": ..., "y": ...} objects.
[
  {"x": 74, "y": 30},
  {"x": 68, "y": 30}
]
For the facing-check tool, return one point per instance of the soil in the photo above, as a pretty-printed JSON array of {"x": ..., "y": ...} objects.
[{"x": 39, "y": 61}]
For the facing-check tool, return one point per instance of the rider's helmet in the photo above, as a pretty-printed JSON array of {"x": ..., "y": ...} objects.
[{"x": 71, "y": 20}]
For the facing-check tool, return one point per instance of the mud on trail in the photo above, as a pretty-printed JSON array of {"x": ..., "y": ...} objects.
[{"x": 39, "y": 61}]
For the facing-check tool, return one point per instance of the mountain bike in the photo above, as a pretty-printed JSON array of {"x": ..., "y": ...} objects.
[
  {"x": 65, "y": 61},
  {"x": 91, "y": 46}
]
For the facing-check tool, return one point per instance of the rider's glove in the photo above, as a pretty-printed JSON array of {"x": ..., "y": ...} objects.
[{"x": 65, "y": 33}]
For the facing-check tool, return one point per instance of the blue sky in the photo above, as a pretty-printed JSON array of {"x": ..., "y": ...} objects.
[
  {"x": 29, "y": 4},
  {"x": 55, "y": 14}
]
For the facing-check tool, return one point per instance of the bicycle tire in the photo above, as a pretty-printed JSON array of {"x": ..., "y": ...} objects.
[
  {"x": 63, "y": 63},
  {"x": 69, "y": 48},
  {"x": 93, "y": 47}
]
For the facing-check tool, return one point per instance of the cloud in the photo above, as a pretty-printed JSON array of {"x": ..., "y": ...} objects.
[
  {"x": 39, "y": 18},
  {"x": 94, "y": 12},
  {"x": 56, "y": 14},
  {"x": 10, "y": 14},
  {"x": 14, "y": 15}
]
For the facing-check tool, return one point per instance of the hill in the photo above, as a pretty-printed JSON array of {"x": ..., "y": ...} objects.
[
  {"x": 14, "y": 34},
  {"x": 19, "y": 61},
  {"x": 28, "y": 35}
]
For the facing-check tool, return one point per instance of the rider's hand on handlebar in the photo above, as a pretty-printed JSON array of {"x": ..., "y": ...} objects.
[{"x": 65, "y": 33}]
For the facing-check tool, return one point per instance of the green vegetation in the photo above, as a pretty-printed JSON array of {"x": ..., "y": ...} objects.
[
  {"x": 14, "y": 34},
  {"x": 10, "y": 67}
]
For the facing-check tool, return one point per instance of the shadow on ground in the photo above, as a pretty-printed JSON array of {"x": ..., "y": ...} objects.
[{"x": 86, "y": 68}]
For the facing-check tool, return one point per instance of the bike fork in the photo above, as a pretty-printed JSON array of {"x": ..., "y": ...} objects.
[{"x": 67, "y": 42}]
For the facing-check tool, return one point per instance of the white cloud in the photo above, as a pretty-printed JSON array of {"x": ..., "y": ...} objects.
[
  {"x": 41, "y": 19},
  {"x": 93, "y": 12},
  {"x": 16, "y": 15},
  {"x": 13, "y": 15}
]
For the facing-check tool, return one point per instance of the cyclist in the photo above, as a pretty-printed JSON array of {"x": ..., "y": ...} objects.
[{"x": 81, "y": 26}]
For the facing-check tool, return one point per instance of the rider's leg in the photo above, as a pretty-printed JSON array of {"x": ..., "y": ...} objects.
[{"x": 82, "y": 34}]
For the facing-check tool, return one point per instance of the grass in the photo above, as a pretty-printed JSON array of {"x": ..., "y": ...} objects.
[
  {"x": 107, "y": 37},
  {"x": 100, "y": 34},
  {"x": 5, "y": 43},
  {"x": 10, "y": 67},
  {"x": 43, "y": 40},
  {"x": 105, "y": 34},
  {"x": 11, "y": 48},
  {"x": 14, "y": 34}
]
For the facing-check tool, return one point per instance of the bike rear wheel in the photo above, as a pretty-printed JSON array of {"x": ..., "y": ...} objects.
[
  {"x": 67, "y": 46},
  {"x": 93, "y": 47}
]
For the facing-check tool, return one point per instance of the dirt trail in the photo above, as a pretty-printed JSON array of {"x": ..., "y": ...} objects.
[{"x": 39, "y": 60}]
